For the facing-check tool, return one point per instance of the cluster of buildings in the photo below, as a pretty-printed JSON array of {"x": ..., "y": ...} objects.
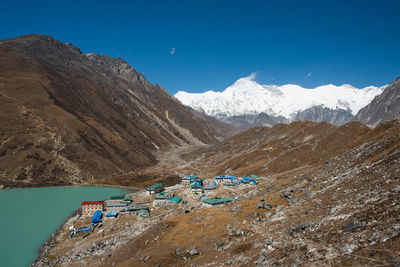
[
  {"x": 164, "y": 198},
  {"x": 124, "y": 204},
  {"x": 114, "y": 206},
  {"x": 199, "y": 186}
]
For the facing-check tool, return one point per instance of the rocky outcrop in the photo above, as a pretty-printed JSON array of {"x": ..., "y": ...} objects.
[
  {"x": 321, "y": 113},
  {"x": 383, "y": 107},
  {"x": 315, "y": 113},
  {"x": 263, "y": 119},
  {"x": 252, "y": 120}
]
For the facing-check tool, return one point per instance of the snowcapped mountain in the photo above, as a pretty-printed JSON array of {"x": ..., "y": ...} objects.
[{"x": 292, "y": 102}]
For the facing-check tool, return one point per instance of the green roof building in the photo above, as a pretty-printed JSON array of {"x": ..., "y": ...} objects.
[
  {"x": 215, "y": 202},
  {"x": 127, "y": 198},
  {"x": 161, "y": 197},
  {"x": 117, "y": 197},
  {"x": 136, "y": 208},
  {"x": 155, "y": 188},
  {"x": 175, "y": 200}
]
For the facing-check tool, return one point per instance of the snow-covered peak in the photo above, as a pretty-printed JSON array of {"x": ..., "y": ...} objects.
[{"x": 246, "y": 96}]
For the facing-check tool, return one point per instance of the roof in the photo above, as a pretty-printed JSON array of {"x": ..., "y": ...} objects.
[
  {"x": 117, "y": 197},
  {"x": 195, "y": 184},
  {"x": 254, "y": 176},
  {"x": 128, "y": 198},
  {"x": 225, "y": 177},
  {"x": 176, "y": 199},
  {"x": 91, "y": 203},
  {"x": 230, "y": 184},
  {"x": 195, "y": 189},
  {"x": 155, "y": 186},
  {"x": 211, "y": 185},
  {"x": 121, "y": 204},
  {"x": 217, "y": 201},
  {"x": 160, "y": 197},
  {"x": 190, "y": 177},
  {"x": 112, "y": 213},
  {"x": 135, "y": 208},
  {"x": 97, "y": 216}
]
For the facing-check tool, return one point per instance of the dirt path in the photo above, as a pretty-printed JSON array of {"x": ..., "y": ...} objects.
[{"x": 171, "y": 162}]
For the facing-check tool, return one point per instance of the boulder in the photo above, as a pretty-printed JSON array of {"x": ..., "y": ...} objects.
[
  {"x": 193, "y": 251},
  {"x": 353, "y": 225},
  {"x": 264, "y": 205}
]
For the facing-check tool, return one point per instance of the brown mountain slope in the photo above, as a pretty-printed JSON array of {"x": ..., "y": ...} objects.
[
  {"x": 269, "y": 150},
  {"x": 67, "y": 117},
  {"x": 337, "y": 204},
  {"x": 222, "y": 129}
]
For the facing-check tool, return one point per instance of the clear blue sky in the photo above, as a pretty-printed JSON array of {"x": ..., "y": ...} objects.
[{"x": 309, "y": 43}]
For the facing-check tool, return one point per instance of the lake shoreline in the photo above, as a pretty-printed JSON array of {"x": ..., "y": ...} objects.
[
  {"x": 49, "y": 243},
  {"x": 58, "y": 207},
  {"x": 131, "y": 188}
]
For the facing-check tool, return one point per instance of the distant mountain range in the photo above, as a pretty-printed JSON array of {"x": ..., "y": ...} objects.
[{"x": 246, "y": 103}]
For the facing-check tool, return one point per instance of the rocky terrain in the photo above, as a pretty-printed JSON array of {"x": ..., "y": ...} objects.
[
  {"x": 319, "y": 114},
  {"x": 73, "y": 118},
  {"x": 327, "y": 196},
  {"x": 383, "y": 107}
]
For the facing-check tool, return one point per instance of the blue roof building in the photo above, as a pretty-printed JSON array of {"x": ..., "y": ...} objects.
[{"x": 97, "y": 217}]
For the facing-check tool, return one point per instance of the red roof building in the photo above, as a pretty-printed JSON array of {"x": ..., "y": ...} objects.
[{"x": 90, "y": 207}]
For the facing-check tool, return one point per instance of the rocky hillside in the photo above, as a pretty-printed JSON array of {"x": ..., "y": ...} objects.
[
  {"x": 67, "y": 117},
  {"x": 328, "y": 196},
  {"x": 269, "y": 150},
  {"x": 248, "y": 121},
  {"x": 222, "y": 130},
  {"x": 383, "y": 107},
  {"x": 320, "y": 114}
]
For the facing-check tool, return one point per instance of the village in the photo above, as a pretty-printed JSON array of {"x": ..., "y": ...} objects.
[{"x": 193, "y": 191}]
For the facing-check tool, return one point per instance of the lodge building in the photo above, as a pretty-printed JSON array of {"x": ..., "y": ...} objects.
[{"x": 90, "y": 207}]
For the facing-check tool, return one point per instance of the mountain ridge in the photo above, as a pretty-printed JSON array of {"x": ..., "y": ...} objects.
[
  {"x": 384, "y": 107},
  {"x": 246, "y": 97},
  {"x": 66, "y": 119}
]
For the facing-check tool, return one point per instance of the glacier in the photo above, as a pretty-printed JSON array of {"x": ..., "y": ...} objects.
[{"x": 247, "y": 97}]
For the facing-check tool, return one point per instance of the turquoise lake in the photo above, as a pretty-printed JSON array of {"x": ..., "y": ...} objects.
[{"x": 29, "y": 216}]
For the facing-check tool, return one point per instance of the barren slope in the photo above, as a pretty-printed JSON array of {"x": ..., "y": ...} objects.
[
  {"x": 337, "y": 204},
  {"x": 67, "y": 117}
]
